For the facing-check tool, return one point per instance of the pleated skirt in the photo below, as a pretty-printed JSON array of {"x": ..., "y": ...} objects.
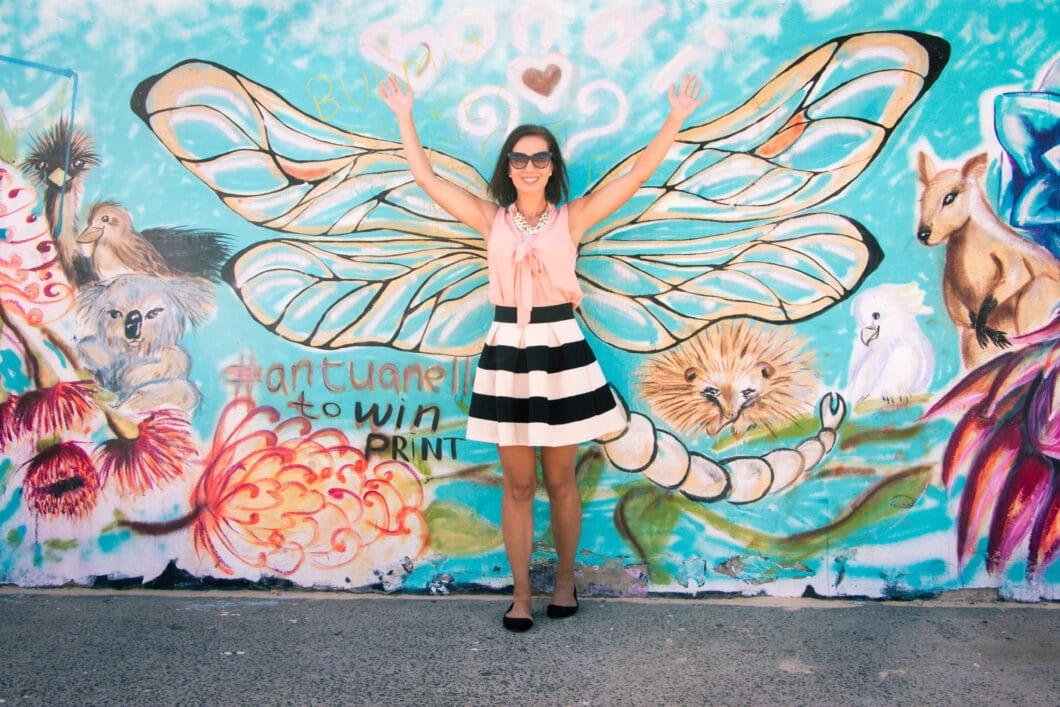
[{"x": 540, "y": 385}]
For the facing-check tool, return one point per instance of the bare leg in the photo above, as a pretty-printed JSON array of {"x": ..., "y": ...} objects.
[
  {"x": 565, "y": 506},
  {"x": 519, "y": 468}
]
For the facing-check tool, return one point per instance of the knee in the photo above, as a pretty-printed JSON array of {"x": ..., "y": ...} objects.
[
  {"x": 520, "y": 491},
  {"x": 561, "y": 486}
]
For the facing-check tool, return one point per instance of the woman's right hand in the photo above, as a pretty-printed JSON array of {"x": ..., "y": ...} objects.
[
  {"x": 393, "y": 94},
  {"x": 466, "y": 208}
]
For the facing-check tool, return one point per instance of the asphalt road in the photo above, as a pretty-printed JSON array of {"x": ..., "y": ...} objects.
[{"x": 285, "y": 647}]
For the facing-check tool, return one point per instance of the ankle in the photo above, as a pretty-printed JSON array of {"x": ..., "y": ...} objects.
[
  {"x": 564, "y": 590},
  {"x": 564, "y": 582}
]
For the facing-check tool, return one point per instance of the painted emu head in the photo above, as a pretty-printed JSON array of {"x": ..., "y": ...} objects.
[{"x": 945, "y": 205}]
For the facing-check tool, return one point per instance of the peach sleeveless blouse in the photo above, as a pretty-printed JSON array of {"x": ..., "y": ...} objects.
[{"x": 531, "y": 272}]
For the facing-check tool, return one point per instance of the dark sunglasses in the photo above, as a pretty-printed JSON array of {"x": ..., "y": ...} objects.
[{"x": 518, "y": 160}]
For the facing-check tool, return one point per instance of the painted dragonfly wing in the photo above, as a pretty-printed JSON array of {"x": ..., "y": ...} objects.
[
  {"x": 663, "y": 281},
  {"x": 665, "y": 267},
  {"x": 282, "y": 169},
  {"x": 389, "y": 288},
  {"x": 380, "y": 263},
  {"x": 802, "y": 138}
]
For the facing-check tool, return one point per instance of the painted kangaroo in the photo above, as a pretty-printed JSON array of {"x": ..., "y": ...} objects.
[{"x": 995, "y": 282}]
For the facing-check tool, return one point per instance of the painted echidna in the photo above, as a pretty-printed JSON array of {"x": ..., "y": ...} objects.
[{"x": 734, "y": 373}]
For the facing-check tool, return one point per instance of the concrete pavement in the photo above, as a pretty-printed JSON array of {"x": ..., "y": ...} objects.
[{"x": 291, "y": 647}]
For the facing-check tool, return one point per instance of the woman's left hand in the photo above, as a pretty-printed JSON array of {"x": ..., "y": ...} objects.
[{"x": 683, "y": 100}]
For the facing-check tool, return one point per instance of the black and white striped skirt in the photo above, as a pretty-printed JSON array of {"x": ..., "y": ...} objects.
[{"x": 540, "y": 385}]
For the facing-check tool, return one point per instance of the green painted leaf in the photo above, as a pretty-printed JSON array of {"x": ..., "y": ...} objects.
[
  {"x": 646, "y": 516},
  {"x": 889, "y": 497},
  {"x": 458, "y": 531},
  {"x": 15, "y": 536}
]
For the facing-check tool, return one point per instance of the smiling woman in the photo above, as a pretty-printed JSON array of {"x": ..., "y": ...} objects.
[{"x": 538, "y": 383}]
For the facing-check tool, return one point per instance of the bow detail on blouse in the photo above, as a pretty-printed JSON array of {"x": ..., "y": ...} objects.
[{"x": 527, "y": 265}]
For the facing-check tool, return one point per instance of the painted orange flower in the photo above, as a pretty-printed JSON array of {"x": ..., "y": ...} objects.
[
  {"x": 286, "y": 499},
  {"x": 156, "y": 455},
  {"x": 61, "y": 480}
]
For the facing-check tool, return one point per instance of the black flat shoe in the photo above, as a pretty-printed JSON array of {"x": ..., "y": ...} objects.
[
  {"x": 555, "y": 611},
  {"x": 518, "y": 625}
]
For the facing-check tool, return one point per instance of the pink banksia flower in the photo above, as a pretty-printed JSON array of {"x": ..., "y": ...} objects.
[
  {"x": 152, "y": 453},
  {"x": 61, "y": 481},
  {"x": 44, "y": 412},
  {"x": 279, "y": 496}
]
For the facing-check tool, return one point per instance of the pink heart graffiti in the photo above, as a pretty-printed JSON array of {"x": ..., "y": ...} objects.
[{"x": 542, "y": 82}]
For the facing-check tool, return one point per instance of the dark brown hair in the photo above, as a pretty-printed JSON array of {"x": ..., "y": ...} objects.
[{"x": 501, "y": 188}]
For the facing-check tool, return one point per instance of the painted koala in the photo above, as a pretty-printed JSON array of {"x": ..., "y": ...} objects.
[{"x": 135, "y": 350}]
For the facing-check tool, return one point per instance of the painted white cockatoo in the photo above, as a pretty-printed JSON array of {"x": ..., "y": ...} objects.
[{"x": 892, "y": 359}]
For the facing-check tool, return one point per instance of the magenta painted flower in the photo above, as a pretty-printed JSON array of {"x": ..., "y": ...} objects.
[
  {"x": 45, "y": 412},
  {"x": 61, "y": 481},
  {"x": 156, "y": 454},
  {"x": 7, "y": 422},
  {"x": 1007, "y": 445},
  {"x": 1043, "y": 413}
]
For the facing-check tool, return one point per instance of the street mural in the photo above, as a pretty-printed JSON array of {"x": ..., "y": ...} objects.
[{"x": 237, "y": 341}]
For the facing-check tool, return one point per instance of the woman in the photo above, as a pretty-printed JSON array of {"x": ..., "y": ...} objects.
[{"x": 537, "y": 383}]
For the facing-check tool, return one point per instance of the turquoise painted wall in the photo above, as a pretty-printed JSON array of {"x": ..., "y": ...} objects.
[{"x": 238, "y": 343}]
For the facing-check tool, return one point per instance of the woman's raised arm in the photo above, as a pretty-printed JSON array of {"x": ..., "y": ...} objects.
[
  {"x": 464, "y": 207},
  {"x": 587, "y": 211}
]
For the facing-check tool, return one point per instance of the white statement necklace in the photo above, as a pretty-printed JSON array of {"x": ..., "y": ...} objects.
[{"x": 525, "y": 228}]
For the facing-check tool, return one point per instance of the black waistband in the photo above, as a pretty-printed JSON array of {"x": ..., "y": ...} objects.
[{"x": 538, "y": 315}]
